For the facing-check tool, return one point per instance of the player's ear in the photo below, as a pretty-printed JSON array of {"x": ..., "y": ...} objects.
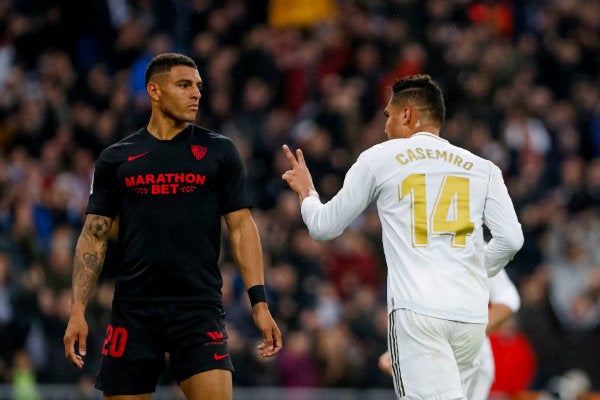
[
  {"x": 153, "y": 90},
  {"x": 407, "y": 112}
]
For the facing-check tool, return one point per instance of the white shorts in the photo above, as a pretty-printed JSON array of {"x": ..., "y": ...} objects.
[
  {"x": 433, "y": 358},
  {"x": 484, "y": 377}
]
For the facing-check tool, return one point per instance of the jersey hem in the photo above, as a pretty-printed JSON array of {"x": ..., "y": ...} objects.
[
  {"x": 470, "y": 319},
  {"x": 171, "y": 300},
  {"x": 97, "y": 211}
]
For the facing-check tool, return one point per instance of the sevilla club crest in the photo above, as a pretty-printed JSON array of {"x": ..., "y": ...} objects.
[{"x": 198, "y": 151}]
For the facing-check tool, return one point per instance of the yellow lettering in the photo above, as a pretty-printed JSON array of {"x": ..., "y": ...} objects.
[
  {"x": 457, "y": 161},
  {"x": 400, "y": 160},
  {"x": 441, "y": 155},
  {"x": 411, "y": 155}
]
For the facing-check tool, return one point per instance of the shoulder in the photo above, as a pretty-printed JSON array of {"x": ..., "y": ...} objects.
[
  {"x": 210, "y": 138},
  {"x": 376, "y": 151},
  {"x": 475, "y": 156},
  {"x": 481, "y": 162},
  {"x": 391, "y": 146},
  {"x": 207, "y": 134},
  {"x": 116, "y": 150}
]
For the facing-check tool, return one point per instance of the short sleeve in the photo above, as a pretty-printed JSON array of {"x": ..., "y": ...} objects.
[
  {"x": 233, "y": 193},
  {"x": 105, "y": 193}
]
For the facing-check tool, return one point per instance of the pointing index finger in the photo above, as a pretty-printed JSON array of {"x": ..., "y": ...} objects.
[{"x": 289, "y": 155}]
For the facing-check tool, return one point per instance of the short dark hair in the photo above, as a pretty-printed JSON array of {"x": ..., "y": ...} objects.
[
  {"x": 164, "y": 62},
  {"x": 422, "y": 91}
]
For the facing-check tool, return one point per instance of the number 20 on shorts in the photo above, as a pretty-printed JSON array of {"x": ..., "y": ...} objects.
[{"x": 115, "y": 341}]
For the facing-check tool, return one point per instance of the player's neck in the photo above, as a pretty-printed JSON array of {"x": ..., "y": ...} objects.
[
  {"x": 165, "y": 128},
  {"x": 434, "y": 130}
]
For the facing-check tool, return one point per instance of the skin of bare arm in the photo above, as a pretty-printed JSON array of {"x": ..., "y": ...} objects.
[
  {"x": 87, "y": 266},
  {"x": 498, "y": 314},
  {"x": 385, "y": 363},
  {"x": 247, "y": 253}
]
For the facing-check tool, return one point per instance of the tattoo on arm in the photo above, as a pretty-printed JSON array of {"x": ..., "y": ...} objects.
[{"x": 89, "y": 256}]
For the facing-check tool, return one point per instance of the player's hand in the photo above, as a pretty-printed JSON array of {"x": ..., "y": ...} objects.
[
  {"x": 263, "y": 320},
  {"x": 77, "y": 331},
  {"x": 298, "y": 178},
  {"x": 385, "y": 363}
]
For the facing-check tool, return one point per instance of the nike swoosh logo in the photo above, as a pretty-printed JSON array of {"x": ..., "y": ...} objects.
[
  {"x": 220, "y": 357},
  {"x": 131, "y": 158}
]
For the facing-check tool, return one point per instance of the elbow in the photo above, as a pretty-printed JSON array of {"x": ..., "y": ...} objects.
[
  {"x": 516, "y": 242},
  {"x": 511, "y": 243},
  {"x": 320, "y": 235},
  {"x": 322, "y": 232},
  {"x": 320, "y": 229},
  {"x": 516, "y": 305}
]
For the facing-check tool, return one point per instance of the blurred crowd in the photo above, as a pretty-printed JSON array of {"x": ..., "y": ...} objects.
[{"x": 522, "y": 86}]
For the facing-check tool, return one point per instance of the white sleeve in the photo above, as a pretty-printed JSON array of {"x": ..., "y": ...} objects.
[
  {"x": 327, "y": 221},
  {"x": 503, "y": 291},
  {"x": 500, "y": 217}
]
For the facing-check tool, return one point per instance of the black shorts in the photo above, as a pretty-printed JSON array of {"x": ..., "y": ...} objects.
[{"x": 138, "y": 336}]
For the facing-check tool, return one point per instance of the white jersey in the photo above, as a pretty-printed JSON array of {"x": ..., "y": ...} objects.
[
  {"x": 502, "y": 291},
  {"x": 432, "y": 198}
]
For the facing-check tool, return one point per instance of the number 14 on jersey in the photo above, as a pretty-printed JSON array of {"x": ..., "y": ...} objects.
[{"x": 450, "y": 215}]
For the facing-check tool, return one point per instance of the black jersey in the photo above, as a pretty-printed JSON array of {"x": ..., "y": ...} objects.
[{"x": 169, "y": 196}]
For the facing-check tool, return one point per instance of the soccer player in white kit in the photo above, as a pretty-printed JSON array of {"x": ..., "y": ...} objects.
[
  {"x": 433, "y": 199},
  {"x": 504, "y": 301}
]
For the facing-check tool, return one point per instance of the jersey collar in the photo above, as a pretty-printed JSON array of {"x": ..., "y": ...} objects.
[
  {"x": 430, "y": 135},
  {"x": 179, "y": 136}
]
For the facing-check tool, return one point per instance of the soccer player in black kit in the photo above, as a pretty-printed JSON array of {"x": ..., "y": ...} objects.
[{"x": 169, "y": 184}]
